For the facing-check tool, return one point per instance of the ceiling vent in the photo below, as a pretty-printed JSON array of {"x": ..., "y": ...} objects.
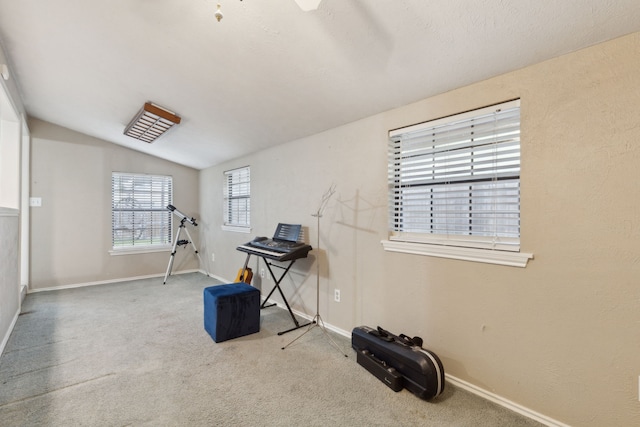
[{"x": 150, "y": 123}]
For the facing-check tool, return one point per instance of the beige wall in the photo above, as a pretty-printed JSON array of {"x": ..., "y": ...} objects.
[
  {"x": 71, "y": 232},
  {"x": 561, "y": 336}
]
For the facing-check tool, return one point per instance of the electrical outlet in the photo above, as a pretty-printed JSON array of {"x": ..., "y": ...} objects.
[
  {"x": 262, "y": 273},
  {"x": 336, "y": 295},
  {"x": 213, "y": 257}
]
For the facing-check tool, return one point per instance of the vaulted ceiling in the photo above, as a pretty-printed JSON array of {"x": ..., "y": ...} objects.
[{"x": 269, "y": 72}]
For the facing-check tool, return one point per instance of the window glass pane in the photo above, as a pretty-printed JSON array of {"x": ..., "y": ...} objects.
[
  {"x": 139, "y": 210},
  {"x": 237, "y": 197}
]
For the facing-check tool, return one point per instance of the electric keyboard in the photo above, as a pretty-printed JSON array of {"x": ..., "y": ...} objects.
[
  {"x": 275, "y": 250},
  {"x": 283, "y": 247}
]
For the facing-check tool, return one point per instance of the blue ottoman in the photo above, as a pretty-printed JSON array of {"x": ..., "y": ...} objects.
[{"x": 231, "y": 311}]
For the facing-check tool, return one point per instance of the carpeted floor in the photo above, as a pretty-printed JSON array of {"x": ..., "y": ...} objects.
[{"x": 136, "y": 353}]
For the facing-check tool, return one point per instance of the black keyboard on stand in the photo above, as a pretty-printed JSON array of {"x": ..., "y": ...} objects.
[
  {"x": 275, "y": 249},
  {"x": 284, "y": 246}
]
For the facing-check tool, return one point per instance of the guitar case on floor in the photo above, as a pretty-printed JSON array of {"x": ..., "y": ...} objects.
[{"x": 399, "y": 361}]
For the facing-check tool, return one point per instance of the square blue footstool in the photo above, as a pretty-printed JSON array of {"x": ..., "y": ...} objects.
[{"x": 231, "y": 311}]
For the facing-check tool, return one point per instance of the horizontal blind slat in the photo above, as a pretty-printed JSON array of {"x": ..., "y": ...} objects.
[
  {"x": 139, "y": 213},
  {"x": 237, "y": 194},
  {"x": 458, "y": 176}
]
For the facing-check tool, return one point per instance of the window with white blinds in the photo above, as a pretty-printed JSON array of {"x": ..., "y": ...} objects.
[
  {"x": 140, "y": 217},
  {"x": 237, "y": 197},
  {"x": 456, "y": 180}
]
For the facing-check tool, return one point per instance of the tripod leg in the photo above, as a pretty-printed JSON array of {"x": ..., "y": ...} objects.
[
  {"x": 320, "y": 323},
  {"x": 195, "y": 250},
  {"x": 312, "y": 325},
  {"x": 173, "y": 254}
]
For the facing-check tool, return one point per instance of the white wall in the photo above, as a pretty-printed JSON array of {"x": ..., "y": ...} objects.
[
  {"x": 25, "y": 161},
  {"x": 559, "y": 337},
  {"x": 10, "y": 143},
  {"x": 11, "y": 111}
]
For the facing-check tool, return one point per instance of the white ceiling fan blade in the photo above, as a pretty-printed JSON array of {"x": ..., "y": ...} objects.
[{"x": 308, "y": 5}]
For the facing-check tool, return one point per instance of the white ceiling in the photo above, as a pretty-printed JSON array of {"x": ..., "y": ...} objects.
[{"x": 269, "y": 73}]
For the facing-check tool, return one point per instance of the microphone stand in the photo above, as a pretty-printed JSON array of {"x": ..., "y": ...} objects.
[{"x": 317, "y": 319}]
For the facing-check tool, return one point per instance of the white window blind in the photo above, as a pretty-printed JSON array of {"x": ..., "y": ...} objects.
[
  {"x": 456, "y": 181},
  {"x": 237, "y": 197},
  {"x": 139, "y": 210}
]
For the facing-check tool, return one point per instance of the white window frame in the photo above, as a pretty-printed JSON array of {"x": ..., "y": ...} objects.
[
  {"x": 236, "y": 208},
  {"x": 145, "y": 197},
  {"x": 441, "y": 170}
]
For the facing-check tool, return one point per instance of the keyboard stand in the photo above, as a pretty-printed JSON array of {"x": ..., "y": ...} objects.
[{"x": 277, "y": 286}]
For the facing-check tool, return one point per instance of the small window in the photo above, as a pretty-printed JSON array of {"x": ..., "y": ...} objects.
[
  {"x": 237, "y": 199},
  {"x": 140, "y": 217},
  {"x": 456, "y": 181}
]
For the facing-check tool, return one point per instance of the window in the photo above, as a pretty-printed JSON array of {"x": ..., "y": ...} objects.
[
  {"x": 237, "y": 199},
  {"x": 140, "y": 217},
  {"x": 455, "y": 181}
]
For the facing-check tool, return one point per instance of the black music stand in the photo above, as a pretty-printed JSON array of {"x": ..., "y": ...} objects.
[{"x": 317, "y": 319}]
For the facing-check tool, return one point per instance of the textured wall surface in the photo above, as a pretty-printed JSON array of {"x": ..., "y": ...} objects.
[
  {"x": 71, "y": 231},
  {"x": 559, "y": 337}
]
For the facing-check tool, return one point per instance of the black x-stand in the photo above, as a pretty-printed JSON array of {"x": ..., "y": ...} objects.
[{"x": 277, "y": 281}]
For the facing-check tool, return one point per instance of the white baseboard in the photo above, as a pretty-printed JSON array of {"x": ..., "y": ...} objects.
[
  {"x": 485, "y": 394},
  {"x": 104, "y": 282},
  {"x": 310, "y": 317},
  {"x": 506, "y": 403},
  {"x": 5, "y": 339},
  {"x": 23, "y": 292},
  {"x": 213, "y": 276}
]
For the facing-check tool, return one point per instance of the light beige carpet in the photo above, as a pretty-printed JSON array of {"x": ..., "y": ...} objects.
[{"x": 136, "y": 354}]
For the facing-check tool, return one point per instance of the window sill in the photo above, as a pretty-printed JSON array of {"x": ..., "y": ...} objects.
[
  {"x": 236, "y": 229},
  {"x": 139, "y": 250},
  {"x": 513, "y": 259}
]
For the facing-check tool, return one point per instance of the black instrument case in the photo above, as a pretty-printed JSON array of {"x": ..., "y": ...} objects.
[{"x": 399, "y": 361}]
